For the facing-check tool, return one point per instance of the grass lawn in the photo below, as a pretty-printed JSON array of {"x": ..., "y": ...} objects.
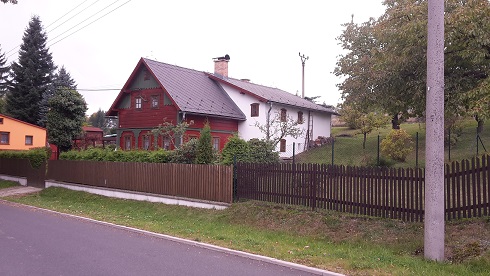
[
  {"x": 338, "y": 242},
  {"x": 348, "y": 148},
  {"x": 7, "y": 184}
]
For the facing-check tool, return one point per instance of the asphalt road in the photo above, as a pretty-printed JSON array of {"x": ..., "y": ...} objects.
[{"x": 35, "y": 242}]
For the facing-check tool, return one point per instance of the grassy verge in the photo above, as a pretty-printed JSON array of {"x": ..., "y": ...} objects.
[
  {"x": 338, "y": 242},
  {"x": 7, "y": 184}
]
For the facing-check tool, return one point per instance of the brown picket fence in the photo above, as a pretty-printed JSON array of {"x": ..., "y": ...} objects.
[
  {"x": 204, "y": 182},
  {"x": 381, "y": 192}
]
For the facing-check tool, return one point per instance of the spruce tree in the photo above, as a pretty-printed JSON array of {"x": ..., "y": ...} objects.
[
  {"x": 4, "y": 70},
  {"x": 32, "y": 75},
  {"x": 61, "y": 80},
  {"x": 204, "y": 146}
]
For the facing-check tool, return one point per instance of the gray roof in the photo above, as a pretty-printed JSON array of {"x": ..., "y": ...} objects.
[
  {"x": 193, "y": 91},
  {"x": 276, "y": 95}
]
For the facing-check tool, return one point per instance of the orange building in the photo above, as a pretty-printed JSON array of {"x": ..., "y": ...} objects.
[{"x": 19, "y": 135}]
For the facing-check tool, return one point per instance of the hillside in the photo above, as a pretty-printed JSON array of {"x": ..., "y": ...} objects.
[{"x": 348, "y": 146}]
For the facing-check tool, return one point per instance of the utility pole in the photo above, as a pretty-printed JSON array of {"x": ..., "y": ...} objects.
[
  {"x": 434, "y": 148},
  {"x": 303, "y": 60}
]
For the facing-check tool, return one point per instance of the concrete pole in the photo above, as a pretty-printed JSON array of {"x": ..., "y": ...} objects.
[
  {"x": 303, "y": 60},
  {"x": 434, "y": 148}
]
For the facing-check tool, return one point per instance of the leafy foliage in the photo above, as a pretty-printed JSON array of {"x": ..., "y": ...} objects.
[
  {"x": 186, "y": 153},
  {"x": 61, "y": 80},
  {"x": 235, "y": 147},
  {"x": 261, "y": 151},
  {"x": 397, "y": 145},
  {"x": 31, "y": 76},
  {"x": 98, "y": 119},
  {"x": 276, "y": 129},
  {"x": 204, "y": 147},
  {"x": 37, "y": 156},
  {"x": 107, "y": 154},
  {"x": 385, "y": 63},
  {"x": 65, "y": 117},
  {"x": 170, "y": 131}
]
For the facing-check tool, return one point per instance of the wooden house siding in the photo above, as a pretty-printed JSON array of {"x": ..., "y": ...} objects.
[
  {"x": 147, "y": 116},
  {"x": 220, "y": 124}
]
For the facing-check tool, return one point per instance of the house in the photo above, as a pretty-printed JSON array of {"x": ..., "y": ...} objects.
[
  {"x": 157, "y": 90},
  {"x": 19, "y": 135},
  {"x": 91, "y": 136}
]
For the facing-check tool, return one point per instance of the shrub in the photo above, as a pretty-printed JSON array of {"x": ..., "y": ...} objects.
[
  {"x": 186, "y": 153},
  {"x": 261, "y": 151},
  {"x": 204, "y": 146},
  {"x": 235, "y": 147},
  {"x": 397, "y": 145},
  {"x": 36, "y": 156}
]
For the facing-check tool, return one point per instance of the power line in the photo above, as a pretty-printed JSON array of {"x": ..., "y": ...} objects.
[
  {"x": 101, "y": 89},
  {"x": 72, "y": 16},
  {"x": 88, "y": 23},
  {"x": 67, "y": 14},
  {"x": 81, "y": 23},
  {"x": 46, "y": 27}
]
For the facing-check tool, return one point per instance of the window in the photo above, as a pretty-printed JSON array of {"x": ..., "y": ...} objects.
[
  {"x": 154, "y": 101},
  {"x": 4, "y": 138},
  {"x": 192, "y": 137},
  {"x": 166, "y": 143},
  {"x": 300, "y": 117},
  {"x": 282, "y": 147},
  {"x": 216, "y": 143},
  {"x": 29, "y": 140},
  {"x": 146, "y": 142},
  {"x": 283, "y": 115},
  {"x": 138, "y": 103},
  {"x": 254, "y": 110},
  {"x": 1, "y": 121},
  {"x": 127, "y": 142}
]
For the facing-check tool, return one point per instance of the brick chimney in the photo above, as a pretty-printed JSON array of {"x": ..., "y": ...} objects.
[{"x": 221, "y": 65}]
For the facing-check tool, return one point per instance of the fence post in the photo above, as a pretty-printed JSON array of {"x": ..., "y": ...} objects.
[
  {"x": 417, "y": 150},
  {"x": 483, "y": 145},
  {"x": 477, "y": 135},
  {"x": 235, "y": 189},
  {"x": 377, "y": 162},
  {"x": 294, "y": 146},
  {"x": 333, "y": 141},
  {"x": 449, "y": 143}
]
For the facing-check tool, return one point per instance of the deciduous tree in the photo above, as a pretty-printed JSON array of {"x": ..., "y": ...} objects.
[
  {"x": 65, "y": 117},
  {"x": 385, "y": 63},
  {"x": 61, "y": 80},
  {"x": 276, "y": 128}
]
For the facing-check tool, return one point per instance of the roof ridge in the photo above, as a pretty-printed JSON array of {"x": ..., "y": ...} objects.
[{"x": 177, "y": 67}]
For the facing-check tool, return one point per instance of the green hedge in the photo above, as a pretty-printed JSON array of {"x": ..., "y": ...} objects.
[
  {"x": 99, "y": 154},
  {"x": 36, "y": 156}
]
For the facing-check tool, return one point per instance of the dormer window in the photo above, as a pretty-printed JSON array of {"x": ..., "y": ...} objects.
[
  {"x": 254, "y": 110},
  {"x": 137, "y": 104}
]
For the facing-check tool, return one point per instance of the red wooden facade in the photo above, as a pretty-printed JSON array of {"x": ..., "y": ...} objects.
[{"x": 144, "y": 104}]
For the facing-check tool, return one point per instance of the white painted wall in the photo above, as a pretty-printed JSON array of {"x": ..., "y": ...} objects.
[{"x": 247, "y": 129}]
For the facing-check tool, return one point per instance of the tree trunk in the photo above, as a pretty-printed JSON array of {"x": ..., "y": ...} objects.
[
  {"x": 479, "y": 128},
  {"x": 395, "y": 124},
  {"x": 364, "y": 141}
]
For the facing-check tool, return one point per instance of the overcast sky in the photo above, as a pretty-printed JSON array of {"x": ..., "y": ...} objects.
[{"x": 262, "y": 37}]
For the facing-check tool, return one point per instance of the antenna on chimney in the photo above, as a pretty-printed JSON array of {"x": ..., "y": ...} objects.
[{"x": 303, "y": 60}]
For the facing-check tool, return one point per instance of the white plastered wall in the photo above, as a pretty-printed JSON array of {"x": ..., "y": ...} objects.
[{"x": 248, "y": 130}]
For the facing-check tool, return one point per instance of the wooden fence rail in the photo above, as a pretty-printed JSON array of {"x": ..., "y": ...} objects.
[
  {"x": 382, "y": 192},
  {"x": 206, "y": 182},
  {"x": 23, "y": 168}
]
